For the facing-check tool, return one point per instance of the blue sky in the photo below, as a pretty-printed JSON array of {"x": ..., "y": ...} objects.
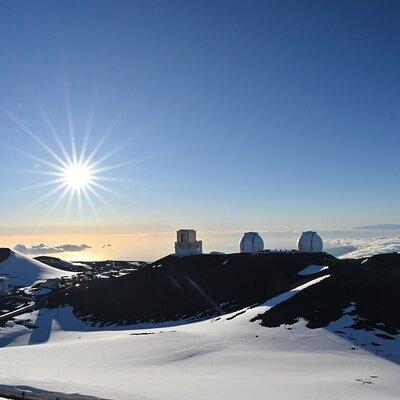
[{"x": 243, "y": 114}]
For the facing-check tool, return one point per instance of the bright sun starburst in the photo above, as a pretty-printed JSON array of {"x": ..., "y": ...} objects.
[
  {"x": 73, "y": 174},
  {"x": 77, "y": 176}
]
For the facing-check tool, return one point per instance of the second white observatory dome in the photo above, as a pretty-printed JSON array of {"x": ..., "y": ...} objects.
[
  {"x": 251, "y": 242},
  {"x": 310, "y": 242}
]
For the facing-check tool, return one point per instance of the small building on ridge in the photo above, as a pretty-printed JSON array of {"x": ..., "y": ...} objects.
[{"x": 186, "y": 243}]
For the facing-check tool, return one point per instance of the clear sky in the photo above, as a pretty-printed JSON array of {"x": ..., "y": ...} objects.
[{"x": 225, "y": 115}]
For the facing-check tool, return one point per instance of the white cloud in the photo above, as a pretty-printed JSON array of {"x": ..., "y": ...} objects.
[
  {"x": 45, "y": 249},
  {"x": 364, "y": 247}
]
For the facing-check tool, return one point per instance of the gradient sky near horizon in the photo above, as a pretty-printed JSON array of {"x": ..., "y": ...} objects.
[{"x": 229, "y": 115}]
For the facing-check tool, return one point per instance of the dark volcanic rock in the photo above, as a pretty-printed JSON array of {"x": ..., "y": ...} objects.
[
  {"x": 387, "y": 261},
  {"x": 174, "y": 288},
  {"x": 374, "y": 297},
  {"x": 4, "y": 253},
  {"x": 60, "y": 264}
]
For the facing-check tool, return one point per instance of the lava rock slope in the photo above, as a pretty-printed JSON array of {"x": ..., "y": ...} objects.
[
  {"x": 372, "y": 292},
  {"x": 175, "y": 288}
]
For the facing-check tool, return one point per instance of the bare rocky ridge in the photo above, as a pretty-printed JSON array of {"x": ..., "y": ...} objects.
[
  {"x": 372, "y": 295},
  {"x": 175, "y": 288}
]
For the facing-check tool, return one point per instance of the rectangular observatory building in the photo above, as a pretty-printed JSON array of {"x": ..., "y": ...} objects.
[{"x": 186, "y": 243}]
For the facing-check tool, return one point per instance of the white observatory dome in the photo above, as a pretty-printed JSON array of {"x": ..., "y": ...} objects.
[
  {"x": 251, "y": 242},
  {"x": 310, "y": 242}
]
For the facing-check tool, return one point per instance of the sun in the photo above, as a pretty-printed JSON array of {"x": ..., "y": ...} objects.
[
  {"x": 75, "y": 172},
  {"x": 77, "y": 176}
]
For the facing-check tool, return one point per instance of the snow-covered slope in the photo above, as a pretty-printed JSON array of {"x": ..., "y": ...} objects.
[
  {"x": 23, "y": 271},
  {"x": 226, "y": 357}
]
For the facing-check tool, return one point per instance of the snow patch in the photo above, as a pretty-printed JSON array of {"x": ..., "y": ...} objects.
[{"x": 312, "y": 269}]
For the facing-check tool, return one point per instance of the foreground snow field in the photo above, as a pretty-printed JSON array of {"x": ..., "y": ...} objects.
[{"x": 223, "y": 358}]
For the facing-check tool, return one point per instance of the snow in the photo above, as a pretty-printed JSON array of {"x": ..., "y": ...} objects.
[
  {"x": 223, "y": 358},
  {"x": 312, "y": 269},
  {"x": 24, "y": 271}
]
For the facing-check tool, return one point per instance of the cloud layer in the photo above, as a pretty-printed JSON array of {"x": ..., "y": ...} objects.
[
  {"x": 379, "y": 227},
  {"x": 45, "y": 249},
  {"x": 363, "y": 247}
]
